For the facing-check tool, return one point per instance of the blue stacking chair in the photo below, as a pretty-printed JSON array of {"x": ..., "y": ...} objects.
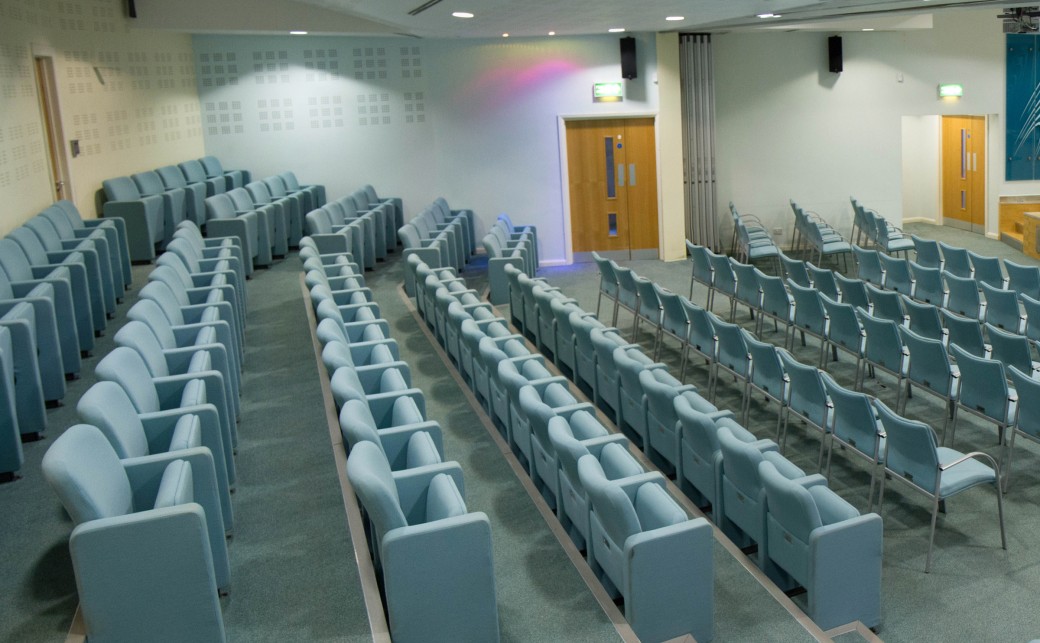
[
  {"x": 956, "y": 261},
  {"x": 882, "y": 349},
  {"x": 806, "y": 400},
  {"x": 645, "y": 548},
  {"x": 701, "y": 339},
  {"x": 868, "y": 266},
  {"x": 767, "y": 377},
  {"x": 824, "y": 281},
  {"x": 853, "y": 291},
  {"x": 985, "y": 392},
  {"x": 725, "y": 281},
  {"x": 821, "y": 541},
  {"x": 965, "y": 333},
  {"x": 1002, "y": 308},
  {"x": 796, "y": 271},
  {"x": 1027, "y": 414},
  {"x": 929, "y": 286},
  {"x": 987, "y": 271},
  {"x": 809, "y": 317},
  {"x": 126, "y": 511},
  {"x": 927, "y": 252},
  {"x": 842, "y": 330},
  {"x": 702, "y": 271},
  {"x": 674, "y": 321},
  {"x": 885, "y": 304},
  {"x": 1023, "y": 279},
  {"x": 854, "y": 425},
  {"x": 1011, "y": 349},
  {"x": 964, "y": 296},
  {"x": 913, "y": 455},
  {"x": 608, "y": 286},
  {"x": 897, "y": 274},
  {"x": 929, "y": 368},
  {"x": 924, "y": 319},
  {"x": 777, "y": 303},
  {"x": 748, "y": 293}
]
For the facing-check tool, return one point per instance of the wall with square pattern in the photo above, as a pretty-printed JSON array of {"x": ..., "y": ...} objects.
[{"x": 129, "y": 97}]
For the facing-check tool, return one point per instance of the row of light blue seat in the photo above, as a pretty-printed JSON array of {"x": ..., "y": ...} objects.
[
  {"x": 153, "y": 203},
  {"x": 870, "y": 228},
  {"x": 868, "y": 324},
  {"x": 361, "y": 223},
  {"x": 440, "y": 235},
  {"x": 506, "y": 245},
  {"x": 751, "y": 239},
  {"x": 685, "y": 433},
  {"x": 638, "y": 540},
  {"x": 818, "y": 236},
  {"x": 152, "y": 466},
  {"x": 433, "y": 554},
  {"x": 60, "y": 278},
  {"x": 874, "y": 334}
]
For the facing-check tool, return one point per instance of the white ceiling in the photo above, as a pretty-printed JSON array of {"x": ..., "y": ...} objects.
[{"x": 581, "y": 17}]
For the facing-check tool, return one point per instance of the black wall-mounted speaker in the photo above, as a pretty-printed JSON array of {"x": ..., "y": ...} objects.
[
  {"x": 131, "y": 9},
  {"x": 834, "y": 54},
  {"x": 628, "y": 58}
]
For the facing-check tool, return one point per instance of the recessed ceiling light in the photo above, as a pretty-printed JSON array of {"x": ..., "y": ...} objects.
[
  {"x": 298, "y": 33},
  {"x": 766, "y": 15},
  {"x": 552, "y": 33},
  {"x": 462, "y": 14},
  {"x": 616, "y": 29},
  {"x": 505, "y": 35},
  {"x": 868, "y": 29},
  {"x": 675, "y": 18}
]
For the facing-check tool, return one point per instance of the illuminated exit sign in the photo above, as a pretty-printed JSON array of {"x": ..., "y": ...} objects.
[{"x": 613, "y": 92}]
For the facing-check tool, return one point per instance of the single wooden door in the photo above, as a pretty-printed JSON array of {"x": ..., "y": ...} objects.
[
  {"x": 612, "y": 174},
  {"x": 964, "y": 172}
]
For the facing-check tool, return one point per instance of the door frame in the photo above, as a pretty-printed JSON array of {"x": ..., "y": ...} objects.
[
  {"x": 48, "y": 98},
  {"x": 565, "y": 191}
]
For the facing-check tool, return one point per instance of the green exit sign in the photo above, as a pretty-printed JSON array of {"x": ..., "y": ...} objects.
[{"x": 612, "y": 92}]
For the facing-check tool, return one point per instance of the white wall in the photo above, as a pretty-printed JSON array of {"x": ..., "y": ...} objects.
[
  {"x": 144, "y": 114},
  {"x": 922, "y": 136},
  {"x": 789, "y": 129},
  {"x": 489, "y": 138}
]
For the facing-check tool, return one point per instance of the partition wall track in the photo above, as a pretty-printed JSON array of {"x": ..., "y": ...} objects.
[{"x": 697, "y": 77}]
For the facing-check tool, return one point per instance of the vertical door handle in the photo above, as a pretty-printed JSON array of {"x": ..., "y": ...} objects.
[
  {"x": 964, "y": 153},
  {"x": 631, "y": 175},
  {"x": 621, "y": 175},
  {"x": 974, "y": 161}
]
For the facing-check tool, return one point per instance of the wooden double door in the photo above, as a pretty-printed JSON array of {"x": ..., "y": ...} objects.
[
  {"x": 964, "y": 172},
  {"x": 612, "y": 175}
]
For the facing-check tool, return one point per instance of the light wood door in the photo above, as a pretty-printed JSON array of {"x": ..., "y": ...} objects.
[
  {"x": 964, "y": 172},
  {"x": 612, "y": 174}
]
